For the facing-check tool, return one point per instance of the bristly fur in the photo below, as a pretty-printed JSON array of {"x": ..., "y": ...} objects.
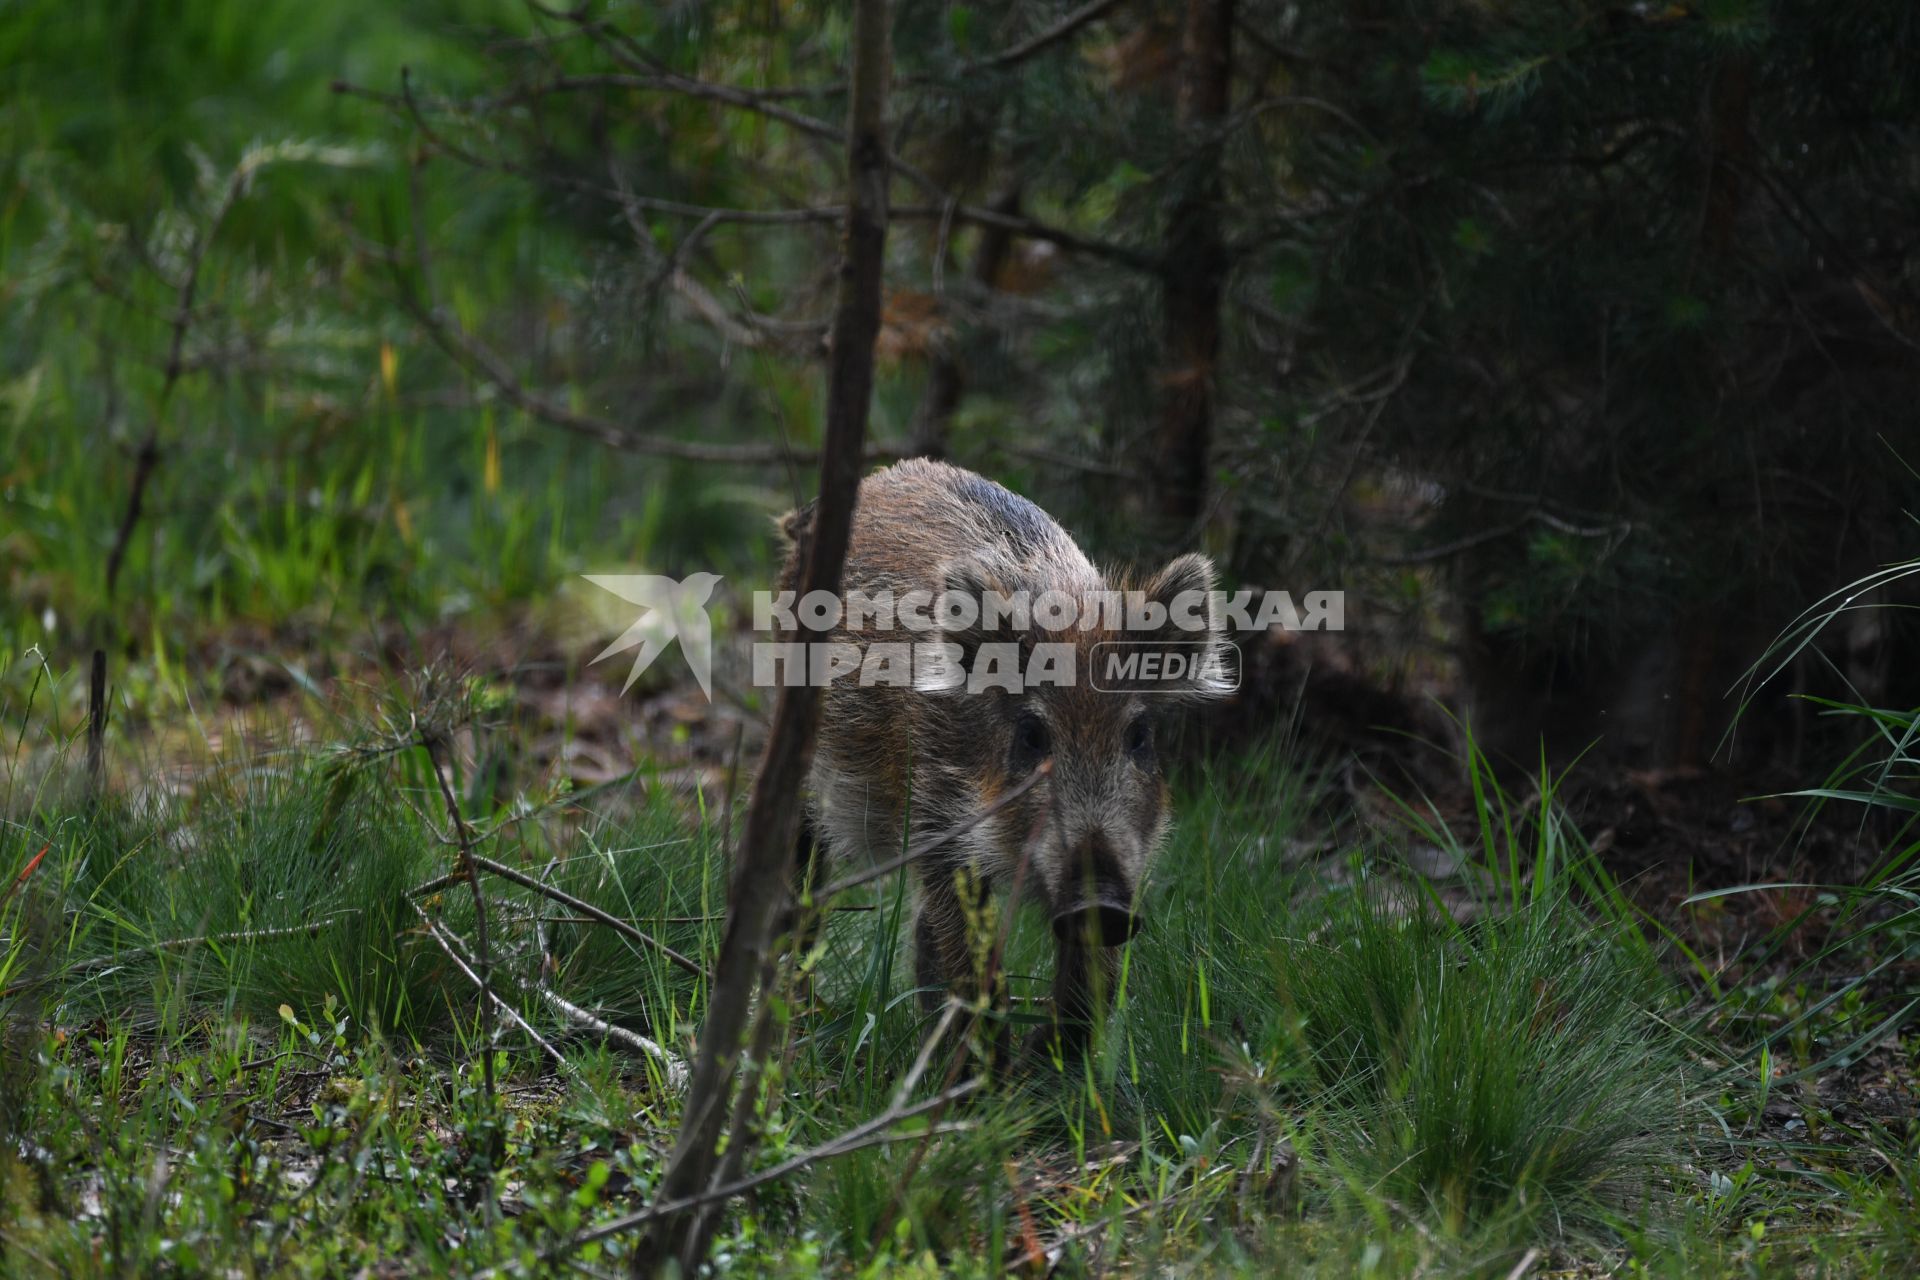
[{"x": 893, "y": 764}]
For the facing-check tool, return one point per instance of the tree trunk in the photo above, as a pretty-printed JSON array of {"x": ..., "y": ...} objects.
[
  {"x": 946, "y": 377},
  {"x": 1194, "y": 271},
  {"x": 762, "y": 872}
]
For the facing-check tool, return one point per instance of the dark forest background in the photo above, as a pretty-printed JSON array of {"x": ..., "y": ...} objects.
[{"x": 1577, "y": 341}]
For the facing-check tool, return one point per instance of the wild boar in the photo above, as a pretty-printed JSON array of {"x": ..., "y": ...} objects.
[{"x": 895, "y": 763}]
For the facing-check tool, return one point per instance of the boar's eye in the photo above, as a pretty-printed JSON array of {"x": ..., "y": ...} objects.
[
  {"x": 1031, "y": 742},
  {"x": 1140, "y": 739}
]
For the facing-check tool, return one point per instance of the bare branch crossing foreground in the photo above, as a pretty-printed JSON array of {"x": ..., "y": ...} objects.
[
  {"x": 935, "y": 842},
  {"x": 869, "y": 1133},
  {"x": 872, "y": 1133},
  {"x": 759, "y": 888}
]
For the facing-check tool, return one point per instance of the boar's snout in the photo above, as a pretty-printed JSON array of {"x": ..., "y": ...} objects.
[
  {"x": 1106, "y": 922},
  {"x": 1098, "y": 901}
]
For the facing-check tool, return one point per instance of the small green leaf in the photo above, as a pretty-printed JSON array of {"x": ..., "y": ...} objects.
[{"x": 1469, "y": 235}]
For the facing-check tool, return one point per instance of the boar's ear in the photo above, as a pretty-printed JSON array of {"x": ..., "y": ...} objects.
[
  {"x": 798, "y": 523},
  {"x": 1190, "y": 575},
  {"x": 1193, "y": 627},
  {"x": 1184, "y": 589},
  {"x": 797, "y": 528}
]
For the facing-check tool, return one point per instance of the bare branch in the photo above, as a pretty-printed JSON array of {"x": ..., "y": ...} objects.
[
  {"x": 1029, "y": 229},
  {"x": 120, "y": 957},
  {"x": 586, "y": 908},
  {"x": 183, "y": 312},
  {"x": 1012, "y": 55},
  {"x": 687, "y": 86},
  {"x": 759, "y": 882},
  {"x": 975, "y": 215},
  {"x": 942, "y": 206},
  {"x": 937, "y": 841},
  {"x": 1447, "y": 550},
  {"x": 675, "y": 1068},
  {"x": 445, "y": 943},
  {"x": 1045, "y": 38},
  {"x": 871, "y": 1133},
  {"x": 481, "y": 360},
  {"x": 645, "y": 76},
  {"x": 432, "y": 745}
]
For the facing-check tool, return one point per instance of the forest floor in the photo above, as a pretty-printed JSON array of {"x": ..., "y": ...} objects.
[{"x": 1622, "y": 1022}]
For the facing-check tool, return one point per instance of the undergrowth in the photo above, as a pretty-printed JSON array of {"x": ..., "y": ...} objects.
[{"x": 235, "y": 1045}]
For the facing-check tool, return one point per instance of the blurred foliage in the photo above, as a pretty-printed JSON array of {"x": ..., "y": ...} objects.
[
  {"x": 319, "y": 465},
  {"x": 1559, "y": 320},
  {"x": 1637, "y": 275}
]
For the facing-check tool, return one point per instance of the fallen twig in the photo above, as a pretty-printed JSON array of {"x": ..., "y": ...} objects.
[
  {"x": 585, "y": 908},
  {"x": 872, "y": 1133},
  {"x": 676, "y": 1069},
  {"x": 445, "y": 943},
  {"x": 218, "y": 939}
]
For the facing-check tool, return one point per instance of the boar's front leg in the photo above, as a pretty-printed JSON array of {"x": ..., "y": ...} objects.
[
  {"x": 1084, "y": 978},
  {"x": 944, "y": 955},
  {"x": 953, "y": 943}
]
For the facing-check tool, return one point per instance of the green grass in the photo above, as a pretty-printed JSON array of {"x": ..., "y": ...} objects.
[
  {"x": 1326, "y": 1065},
  {"x": 1338, "y": 1077},
  {"x": 324, "y": 472},
  {"x": 1514, "y": 1071}
]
